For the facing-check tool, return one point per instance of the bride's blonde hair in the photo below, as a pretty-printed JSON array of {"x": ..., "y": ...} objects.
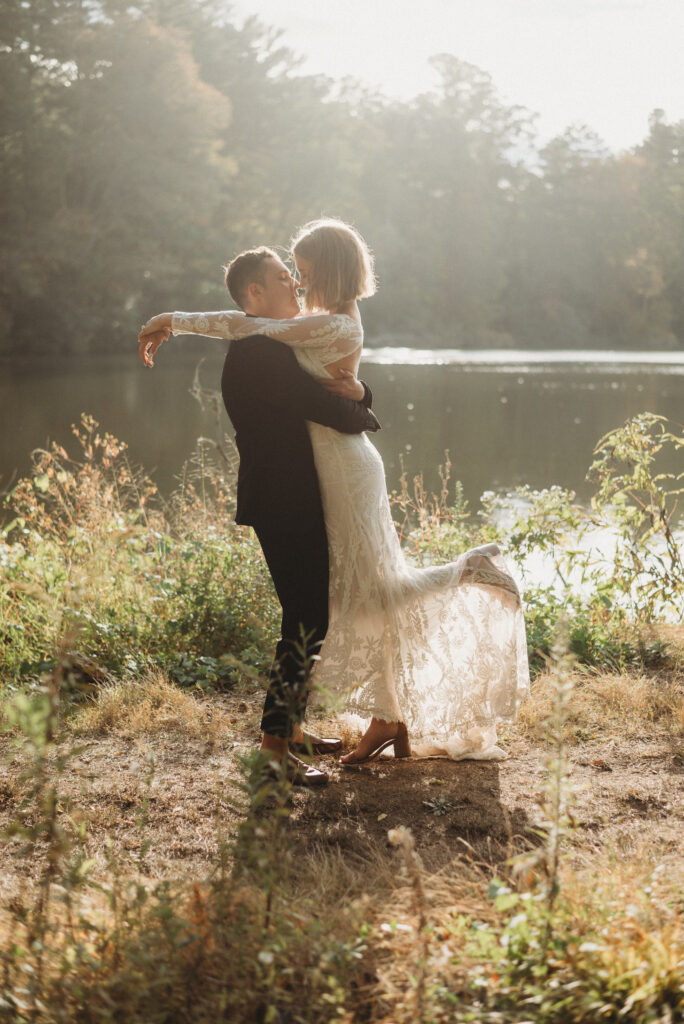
[{"x": 341, "y": 264}]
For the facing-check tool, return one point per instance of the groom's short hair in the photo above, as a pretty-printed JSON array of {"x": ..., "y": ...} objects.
[{"x": 244, "y": 269}]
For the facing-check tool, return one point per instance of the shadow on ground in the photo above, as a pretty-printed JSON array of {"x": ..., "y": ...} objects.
[{"x": 452, "y": 808}]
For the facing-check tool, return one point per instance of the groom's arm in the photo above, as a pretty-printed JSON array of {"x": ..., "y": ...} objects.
[{"x": 287, "y": 386}]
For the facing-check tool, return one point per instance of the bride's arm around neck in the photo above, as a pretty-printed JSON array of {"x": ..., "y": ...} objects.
[{"x": 320, "y": 330}]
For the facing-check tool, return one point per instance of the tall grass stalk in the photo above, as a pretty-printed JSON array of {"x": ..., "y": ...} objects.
[
  {"x": 41, "y": 822},
  {"x": 558, "y": 785},
  {"x": 403, "y": 839},
  {"x": 556, "y": 796}
]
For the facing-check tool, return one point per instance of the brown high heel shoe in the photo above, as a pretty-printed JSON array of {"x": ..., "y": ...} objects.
[{"x": 400, "y": 742}]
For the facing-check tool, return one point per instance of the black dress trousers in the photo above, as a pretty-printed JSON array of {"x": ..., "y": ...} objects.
[{"x": 298, "y": 563}]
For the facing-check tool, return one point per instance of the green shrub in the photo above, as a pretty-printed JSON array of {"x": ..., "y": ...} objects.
[
  {"x": 92, "y": 551},
  {"x": 615, "y": 566}
]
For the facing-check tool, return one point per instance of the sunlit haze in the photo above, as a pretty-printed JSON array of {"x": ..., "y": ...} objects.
[{"x": 603, "y": 63}]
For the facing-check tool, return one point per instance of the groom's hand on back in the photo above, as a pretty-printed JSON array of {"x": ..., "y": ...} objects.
[{"x": 346, "y": 386}]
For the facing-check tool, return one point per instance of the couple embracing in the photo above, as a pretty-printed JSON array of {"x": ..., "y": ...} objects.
[{"x": 430, "y": 659}]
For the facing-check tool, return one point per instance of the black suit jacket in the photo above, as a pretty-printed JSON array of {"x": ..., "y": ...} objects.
[{"x": 268, "y": 398}]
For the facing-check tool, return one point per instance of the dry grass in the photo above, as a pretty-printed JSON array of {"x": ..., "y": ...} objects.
[
  {"x": 626, "y": 915},
  {"x": 673, "y": 635},
  {"x": 331, "y": 878},
  {"x": 345, "y": 925},
  {"x": 151, "y": 706},
  {"x": 605, "y": 703}
]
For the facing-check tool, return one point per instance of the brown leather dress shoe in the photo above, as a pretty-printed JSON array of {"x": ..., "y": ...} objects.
[
  {"x": 299, "y": 773},
  {"x": 315, "y": 745}
]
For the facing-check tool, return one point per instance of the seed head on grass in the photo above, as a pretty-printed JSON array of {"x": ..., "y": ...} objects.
[{"x": 402, "y": 838}]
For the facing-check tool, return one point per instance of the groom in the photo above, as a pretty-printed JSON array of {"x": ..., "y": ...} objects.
[{"x": 269, "y": 398}]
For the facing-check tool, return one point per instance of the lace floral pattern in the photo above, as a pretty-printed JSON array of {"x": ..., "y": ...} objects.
[
  {"x": 331, "y": 336},
  {"x": 441, "y": 648}
]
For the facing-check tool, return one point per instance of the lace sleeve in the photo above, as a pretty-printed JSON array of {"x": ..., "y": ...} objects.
[
  {"x": 332, "y": 335},
  {"x": 221, "y": 324}
]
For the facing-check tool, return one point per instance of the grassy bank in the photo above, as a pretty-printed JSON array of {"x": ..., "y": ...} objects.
[
  {"x": 93, "y": 559},
  {"x": 95, "y": 562},
  {"x": 149, "y": 875}
]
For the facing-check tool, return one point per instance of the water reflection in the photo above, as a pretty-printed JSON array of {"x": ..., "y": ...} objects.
[
  {"x": 531, "y": 360},
  {"x": 507, "y": 418},
  {"x": 502, "y": 430}
]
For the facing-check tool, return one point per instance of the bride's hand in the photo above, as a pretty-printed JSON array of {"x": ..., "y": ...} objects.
[
  {"x": 148, "y": 344},
  {"x": 346, "y": 385},
  {"x": 151, "y": 336},
  {"x": 160, "y": 322}
]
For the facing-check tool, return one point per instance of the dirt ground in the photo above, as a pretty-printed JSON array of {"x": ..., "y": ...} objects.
[{"x": 628, "y": 796}]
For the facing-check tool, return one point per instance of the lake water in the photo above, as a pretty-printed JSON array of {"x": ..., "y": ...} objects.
[{"x": 506, "y": 417}]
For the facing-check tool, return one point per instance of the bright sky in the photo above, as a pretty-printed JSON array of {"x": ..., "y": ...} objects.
[{"x": 604, "y": 63}]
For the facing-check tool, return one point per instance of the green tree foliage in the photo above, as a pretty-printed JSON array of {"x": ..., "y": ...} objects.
[
  {"x": 142, "y": 146},
  {"x": 441, "y": 184},
  {"x": 112, "y": 143},
  {"x": 661, "y": 162}
]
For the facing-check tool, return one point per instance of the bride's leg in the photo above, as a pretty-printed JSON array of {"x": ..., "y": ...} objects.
[{"x": 377, "y": 733}]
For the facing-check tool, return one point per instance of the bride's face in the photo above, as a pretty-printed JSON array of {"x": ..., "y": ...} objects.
[
  {"x": 303, "y": 271},
  {"x": 276, "y": 296}
]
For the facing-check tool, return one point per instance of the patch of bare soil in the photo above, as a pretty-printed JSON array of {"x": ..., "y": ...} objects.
[
  {"x": 623, "y": 794},
  {"x": 171, "y": 791}
]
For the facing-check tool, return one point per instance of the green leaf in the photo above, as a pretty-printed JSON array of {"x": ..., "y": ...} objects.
[{"x": 42, "y": 482}]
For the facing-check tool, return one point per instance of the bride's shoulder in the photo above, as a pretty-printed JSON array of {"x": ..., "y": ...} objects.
[
  {"x": 334, "y": 324},
  {"x": 348, "y": 331},
  {"x": 347, "y": 316},
  {"x": 320, "y": 316},
  {"x": 347, "y": 322}
]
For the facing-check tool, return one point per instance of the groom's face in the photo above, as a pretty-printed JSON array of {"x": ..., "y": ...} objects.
[{"x": 276, "y": 297}]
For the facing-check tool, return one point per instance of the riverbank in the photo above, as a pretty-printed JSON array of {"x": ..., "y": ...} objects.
[
  {"x": 150, "y": 875},
  {"x": 173, "y": 891}
]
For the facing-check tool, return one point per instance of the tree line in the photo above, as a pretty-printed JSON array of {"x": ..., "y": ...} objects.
[{"x": 143, "y": 146}]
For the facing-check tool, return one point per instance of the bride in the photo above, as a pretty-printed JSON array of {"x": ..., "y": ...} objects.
[{"x": 436, "y": 654}]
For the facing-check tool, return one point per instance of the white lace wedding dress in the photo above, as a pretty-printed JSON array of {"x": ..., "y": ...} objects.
[{"x": 441, "y": 648}]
